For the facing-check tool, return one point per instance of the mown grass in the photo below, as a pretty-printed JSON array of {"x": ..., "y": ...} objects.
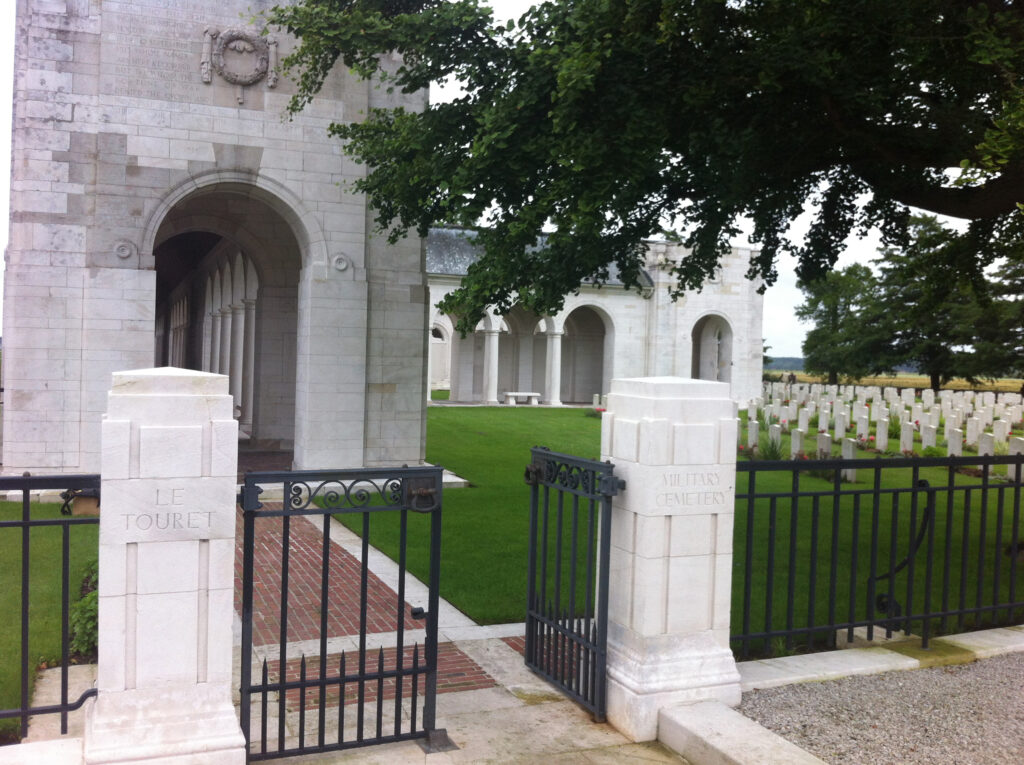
[
  {"x": 485, "y": 528},
  {"x": 44, "y": 596}
]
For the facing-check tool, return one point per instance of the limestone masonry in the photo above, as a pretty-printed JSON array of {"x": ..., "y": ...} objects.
[{"x": 166, "y": 213}]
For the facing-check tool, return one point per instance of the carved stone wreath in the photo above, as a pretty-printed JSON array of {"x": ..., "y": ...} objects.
[{"x": 243, "y": 42}]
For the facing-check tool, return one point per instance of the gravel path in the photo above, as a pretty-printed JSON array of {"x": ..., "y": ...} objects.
[{"x": 958, "y": 715}]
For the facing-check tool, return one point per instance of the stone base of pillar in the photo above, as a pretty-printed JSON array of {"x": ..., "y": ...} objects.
[
  {"x": 177, "y": 727},
  {"x": 648, "y": 674}
]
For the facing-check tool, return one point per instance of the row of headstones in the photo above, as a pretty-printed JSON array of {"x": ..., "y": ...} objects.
[{"x": 965, "y": 417}]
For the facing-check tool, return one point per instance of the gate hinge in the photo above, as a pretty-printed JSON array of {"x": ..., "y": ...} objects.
[
  {"x": 248, "y": 497},
  {"x": 610, "y": 486}
]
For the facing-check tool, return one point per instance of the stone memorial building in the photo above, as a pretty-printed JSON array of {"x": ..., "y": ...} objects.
[{"x": 166, "y": 212}]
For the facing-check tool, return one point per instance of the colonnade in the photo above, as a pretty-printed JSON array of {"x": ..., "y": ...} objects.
[{"x": 229, "y": 330}]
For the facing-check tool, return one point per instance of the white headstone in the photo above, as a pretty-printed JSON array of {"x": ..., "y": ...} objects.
[
  {"x": 907, "y": 437},
  {"x": 824, "y": 446},
  {"x": 882, "y": 436},
  {"x": 928, "y": 436},
  {"x": 986, "y": 445},
  {"x": 796, "y": 443},
  {"x": 849, "y": 449},
  {"x": 955, "y": 443}
]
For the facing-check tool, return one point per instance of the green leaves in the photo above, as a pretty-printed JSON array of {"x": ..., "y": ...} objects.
[{"x": 602, "y": 123}]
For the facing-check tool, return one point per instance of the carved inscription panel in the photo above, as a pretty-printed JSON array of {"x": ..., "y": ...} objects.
[
  {"x": 683, "y": 490},
  {"x": 141, "y": 510}
]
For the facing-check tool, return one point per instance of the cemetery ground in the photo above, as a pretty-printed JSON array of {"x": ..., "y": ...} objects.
[
  {"x": 485, "y": 540},
  {"x": 907, "y": 380}
]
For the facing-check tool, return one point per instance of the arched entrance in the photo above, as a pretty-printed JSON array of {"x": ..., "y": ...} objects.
[
  {"x": 228, "y": 268},
  {"x": 583, "y": 356},
  {"x": 712, "y": 349}
]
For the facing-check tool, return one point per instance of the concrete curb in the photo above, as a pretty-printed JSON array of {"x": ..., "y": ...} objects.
[{"x": 711, "y": 733}]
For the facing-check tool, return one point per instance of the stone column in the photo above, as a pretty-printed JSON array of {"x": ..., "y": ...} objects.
[
  {"x": 249, "y": 363},
  {"x": 169, "y": 456},
  {"x": 224, "y": 364},
  {"x": 553, "y": 370},
  {"x": 237, "y": 354},
  {"x": 215, "y": 343},
  {"x": 673, "y": 441},
  {"x": 491, "y": 366}
]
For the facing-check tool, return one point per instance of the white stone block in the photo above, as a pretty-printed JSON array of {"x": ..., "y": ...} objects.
[{"x": 170, "y": 451}]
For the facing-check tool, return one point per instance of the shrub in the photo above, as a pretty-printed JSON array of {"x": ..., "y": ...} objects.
[
  {"x": 933, "y": 451},
  {"x": 84, "y": 615},
  {"x": 770, "y": 450},
  {"x": 894, "y": 427}
]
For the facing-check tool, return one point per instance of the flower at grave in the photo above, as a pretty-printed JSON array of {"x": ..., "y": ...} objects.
[
  {"x": 871, "y": 438},
  {"x": 598, "y": 409}
]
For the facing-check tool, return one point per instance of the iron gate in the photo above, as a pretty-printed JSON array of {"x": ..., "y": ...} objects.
[
  {"x": 339, "y": 648},
  {"x": 567, "y": 590}
]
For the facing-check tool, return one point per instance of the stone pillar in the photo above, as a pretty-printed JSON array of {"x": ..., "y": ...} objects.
[
  {"x": 673, "y": 441},
  {"x": 224, "y": 363},
  {"x": 215, "y": 343},
  {"x": 491, "y": 366},
  {"x": 249, "y": 363},
  {"x": 553, "y": 370},
  {"x": 237, "y": 354},
  {"x": 166, "y": 573}
]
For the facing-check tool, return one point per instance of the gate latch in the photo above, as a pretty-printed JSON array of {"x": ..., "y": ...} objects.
[
  {"x": 421, "y": 495},
  {"x": 534, "y": 474}
]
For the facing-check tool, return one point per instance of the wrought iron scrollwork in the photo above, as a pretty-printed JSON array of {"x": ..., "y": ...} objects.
[{"x": 336, "y": 494}]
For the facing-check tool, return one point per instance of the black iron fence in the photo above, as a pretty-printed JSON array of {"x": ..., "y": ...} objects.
[
  {"x": 36, "y": 527},
  {"x": 826, "y": 548},
  {"x": 567, "y": 589}
]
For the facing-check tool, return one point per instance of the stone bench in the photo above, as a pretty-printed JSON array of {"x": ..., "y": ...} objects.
[{"x": 511, "y": 397}]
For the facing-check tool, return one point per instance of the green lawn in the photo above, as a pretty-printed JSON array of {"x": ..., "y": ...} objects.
[
  {"x": 44, "y": 595},
  {"x": 483, "y": 561},
  {"x": 485, "y": 529}
]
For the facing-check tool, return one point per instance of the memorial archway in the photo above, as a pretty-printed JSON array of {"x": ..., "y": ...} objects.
[
  {"x": 587, "y": 334},
  {"x": 712, "y": 349},
  {"x": 228, "y": 267}
]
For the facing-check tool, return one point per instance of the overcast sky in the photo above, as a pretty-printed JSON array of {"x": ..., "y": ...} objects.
[{"x": 781, "y": 329}]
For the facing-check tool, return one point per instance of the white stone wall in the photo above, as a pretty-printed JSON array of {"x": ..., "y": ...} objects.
[
  {"x": 643, "y": 335},
  {"x": 120, "y": 144}
]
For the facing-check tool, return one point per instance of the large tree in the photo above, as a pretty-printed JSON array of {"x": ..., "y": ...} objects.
[
  {"x": 835, "y": 346},
  {"x": 605, "y": 121},
  {"x": 923, "y": 315}
]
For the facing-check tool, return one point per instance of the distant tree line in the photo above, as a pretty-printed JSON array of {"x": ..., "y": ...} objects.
[{"x": 918, "y": 310}]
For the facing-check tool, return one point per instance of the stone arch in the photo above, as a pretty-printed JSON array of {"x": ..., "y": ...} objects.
[
  {"x": 251, "y": 249},
  {"x": 440, "y": 353},
  {"x": 711, "y": 341},
  {"x": 521, "y": 352},
  {"x": 588, "y": 347},
  {"x": 305, "y": 227}
]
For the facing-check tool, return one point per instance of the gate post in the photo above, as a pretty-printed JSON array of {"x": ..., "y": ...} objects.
[
  {"x": 166, "y": 577},
  {"x": 673, "y": 440}
]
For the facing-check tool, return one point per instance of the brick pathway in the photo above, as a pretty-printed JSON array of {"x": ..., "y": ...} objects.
[
  {"x": 456, "y": 671},
  {"x": 305, "y": 564}
]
